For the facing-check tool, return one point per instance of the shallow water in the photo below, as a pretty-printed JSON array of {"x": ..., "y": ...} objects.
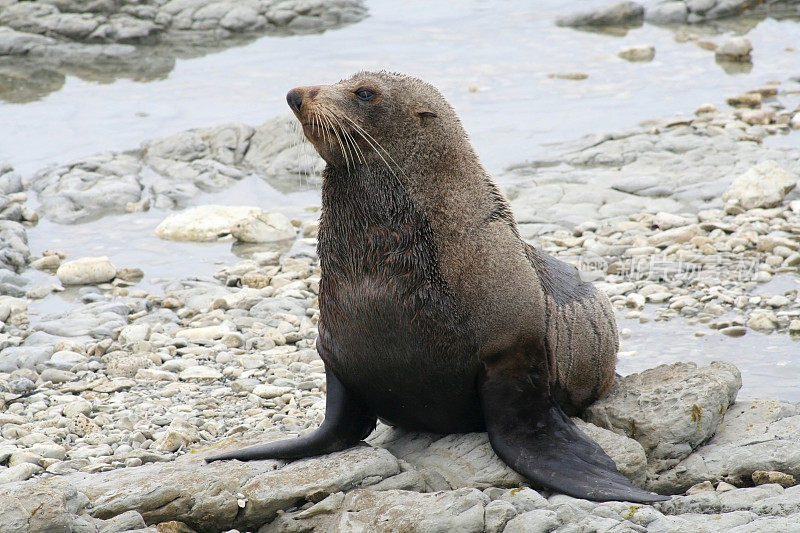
[
  {"x": 504, "y": 49},
  {"x": 770, "y": 364},
  {"x": 507, "y": 49}
]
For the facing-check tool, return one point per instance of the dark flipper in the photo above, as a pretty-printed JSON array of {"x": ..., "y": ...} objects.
[
  {"x": 347, "y": 421},
  {"x": 534, "y": 437}
]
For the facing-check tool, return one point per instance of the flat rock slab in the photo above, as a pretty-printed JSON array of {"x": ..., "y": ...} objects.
[
  {"x": 395, "y": 510},
  {"x": 674, "y": 165},
  {"x": 463, "y": 460},
  {"x": 670, "y": 409},
  {"x": 88, "y": 189},
  {"x": 467, "y": 460},
  {"x": 695, "y": 11},
  {"x": 186, "y": 165},
  {"x": 755, "y": 435},
  {"x": 213, "y": 497}
]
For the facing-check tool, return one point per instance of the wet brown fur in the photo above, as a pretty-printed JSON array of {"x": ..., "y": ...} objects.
[{"x": 425, "y": 279}]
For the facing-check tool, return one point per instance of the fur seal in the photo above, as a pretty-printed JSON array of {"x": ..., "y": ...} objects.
[{"x": 434, "y": 313}]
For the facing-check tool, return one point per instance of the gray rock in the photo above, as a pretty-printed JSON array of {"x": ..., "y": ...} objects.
[
  {"x": 94, "y": 320},
  {"x": 464, "y": 460},
  {"x": 670, "y": 12},
  {"x": 641, "y": 52},
  {"x": 523, "y": 499},
  {"x": 691, "y": 523},
  {"x": 41, "y": 510},
  {"x": 24, "y": 357},
  {"x": 279, "y": 152},
  {"x": 626, "y": 453},
  {"x": 14, "y": 251},
  {"x": 670, "y": 409},
  {"x": 496, "y": 515},
  {"x": 55, "y": 375},
  {"x": 539, "y": 521},
  {"x": 18, "y": 472},
  {"x": 269, "y": 306},
  {"x": 617, "y": 14},
  {"x": 204, "y": 223},
  {"x": 264, "y": 227},
  {"x": 86, "y": 271},
  {"x": 207, "y": 497},
  {"x": 386, "y": 511},
  {"x": 89, "y": 189},
  {"x": 45, "y": 41},
  {"x": 764, "y": 185},
  {"x": 755, "y": 435},
  {"x": 127, "y": 521},
  {"x": 735, "y": 49},
  {"x": 718, "y": 502},
  {"x": 10, "y": 181},
  {"x": 635, "y": 171},
  {"x": 196, "y": 160}
]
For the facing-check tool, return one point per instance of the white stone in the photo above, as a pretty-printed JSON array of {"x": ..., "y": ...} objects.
[
  {"x": 669, "y": 220},
  {"x": 86, "y": 452},
  {"x": 66, "y": 359},
  {"x": 200, "y": 373},
  {"x": 209, "y": 333},
  {"x": 134, "y": 333},
  {"x": 270, "y": 391},
  {"x": 173, "y": 439},
  {"x": 764, "y": 185},
  {"x": 735, "y": 49},
  {"x": 19, "y": 472},
  {"x": 264, "y": 227},
  {"x": 204, "y": 223},
  {"x": 675, "y": 235},
  {"x": 763, "y": 321},
  {"x": 49, "y": 450},
  {"x": 78, "y": 407},
  {"x": 86, "y": 271}
]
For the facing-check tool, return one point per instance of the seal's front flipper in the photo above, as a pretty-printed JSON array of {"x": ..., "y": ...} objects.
[
  {"x": 533, "y": 436},
  {"x": 347, "y": 421}
]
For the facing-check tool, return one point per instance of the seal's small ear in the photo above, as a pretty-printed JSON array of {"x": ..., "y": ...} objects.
[{"x": 425, "y": 115}]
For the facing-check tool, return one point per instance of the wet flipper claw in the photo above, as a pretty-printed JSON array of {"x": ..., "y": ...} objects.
[{"x": 347, "y": 421}]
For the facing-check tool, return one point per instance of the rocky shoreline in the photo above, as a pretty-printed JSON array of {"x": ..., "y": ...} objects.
[{"x": 108, "y": 407}]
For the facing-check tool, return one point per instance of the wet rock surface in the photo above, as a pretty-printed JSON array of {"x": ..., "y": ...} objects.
[
  {"x": 140, "y": 39},
  {"x": 674, "y": 165},
  {"x": 696, "y": 11},
  {"x": 669, "y": 410},
  {"x": 616, "y": 14},
  {"x": 177, "y": 169},
  {"x": 674, "y": 12}
]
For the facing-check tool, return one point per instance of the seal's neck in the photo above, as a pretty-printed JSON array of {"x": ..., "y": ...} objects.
[{"x": 370, "y": 228}]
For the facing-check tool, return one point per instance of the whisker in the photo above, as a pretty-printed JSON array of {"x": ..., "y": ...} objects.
[
  {"x": 369, "y": 139},
  {"x": 347, "y": 137},
  {"x": 339, "y": 141}
]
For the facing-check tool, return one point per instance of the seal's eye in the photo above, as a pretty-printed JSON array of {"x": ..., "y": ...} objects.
[{"x": 365, "y": 95}]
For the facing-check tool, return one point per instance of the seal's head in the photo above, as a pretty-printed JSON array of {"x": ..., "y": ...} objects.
[{"x": 378, "y": 119}]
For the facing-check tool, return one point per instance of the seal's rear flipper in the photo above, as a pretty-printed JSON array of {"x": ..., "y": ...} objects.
[
  {"x": 347, "y": 421},
  {"x": 534, "y": 437}
]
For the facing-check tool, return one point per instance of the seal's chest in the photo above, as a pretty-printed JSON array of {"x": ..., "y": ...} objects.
[{"x": 406, "y": 354}]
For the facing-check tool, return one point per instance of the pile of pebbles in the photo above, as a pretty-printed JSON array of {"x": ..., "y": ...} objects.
[
  {"x": 701, "y": 266},
  {"x": 210, "y": 358}
]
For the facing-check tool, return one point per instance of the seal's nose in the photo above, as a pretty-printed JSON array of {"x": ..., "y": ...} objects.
[{"x": 294, "y": 99}]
